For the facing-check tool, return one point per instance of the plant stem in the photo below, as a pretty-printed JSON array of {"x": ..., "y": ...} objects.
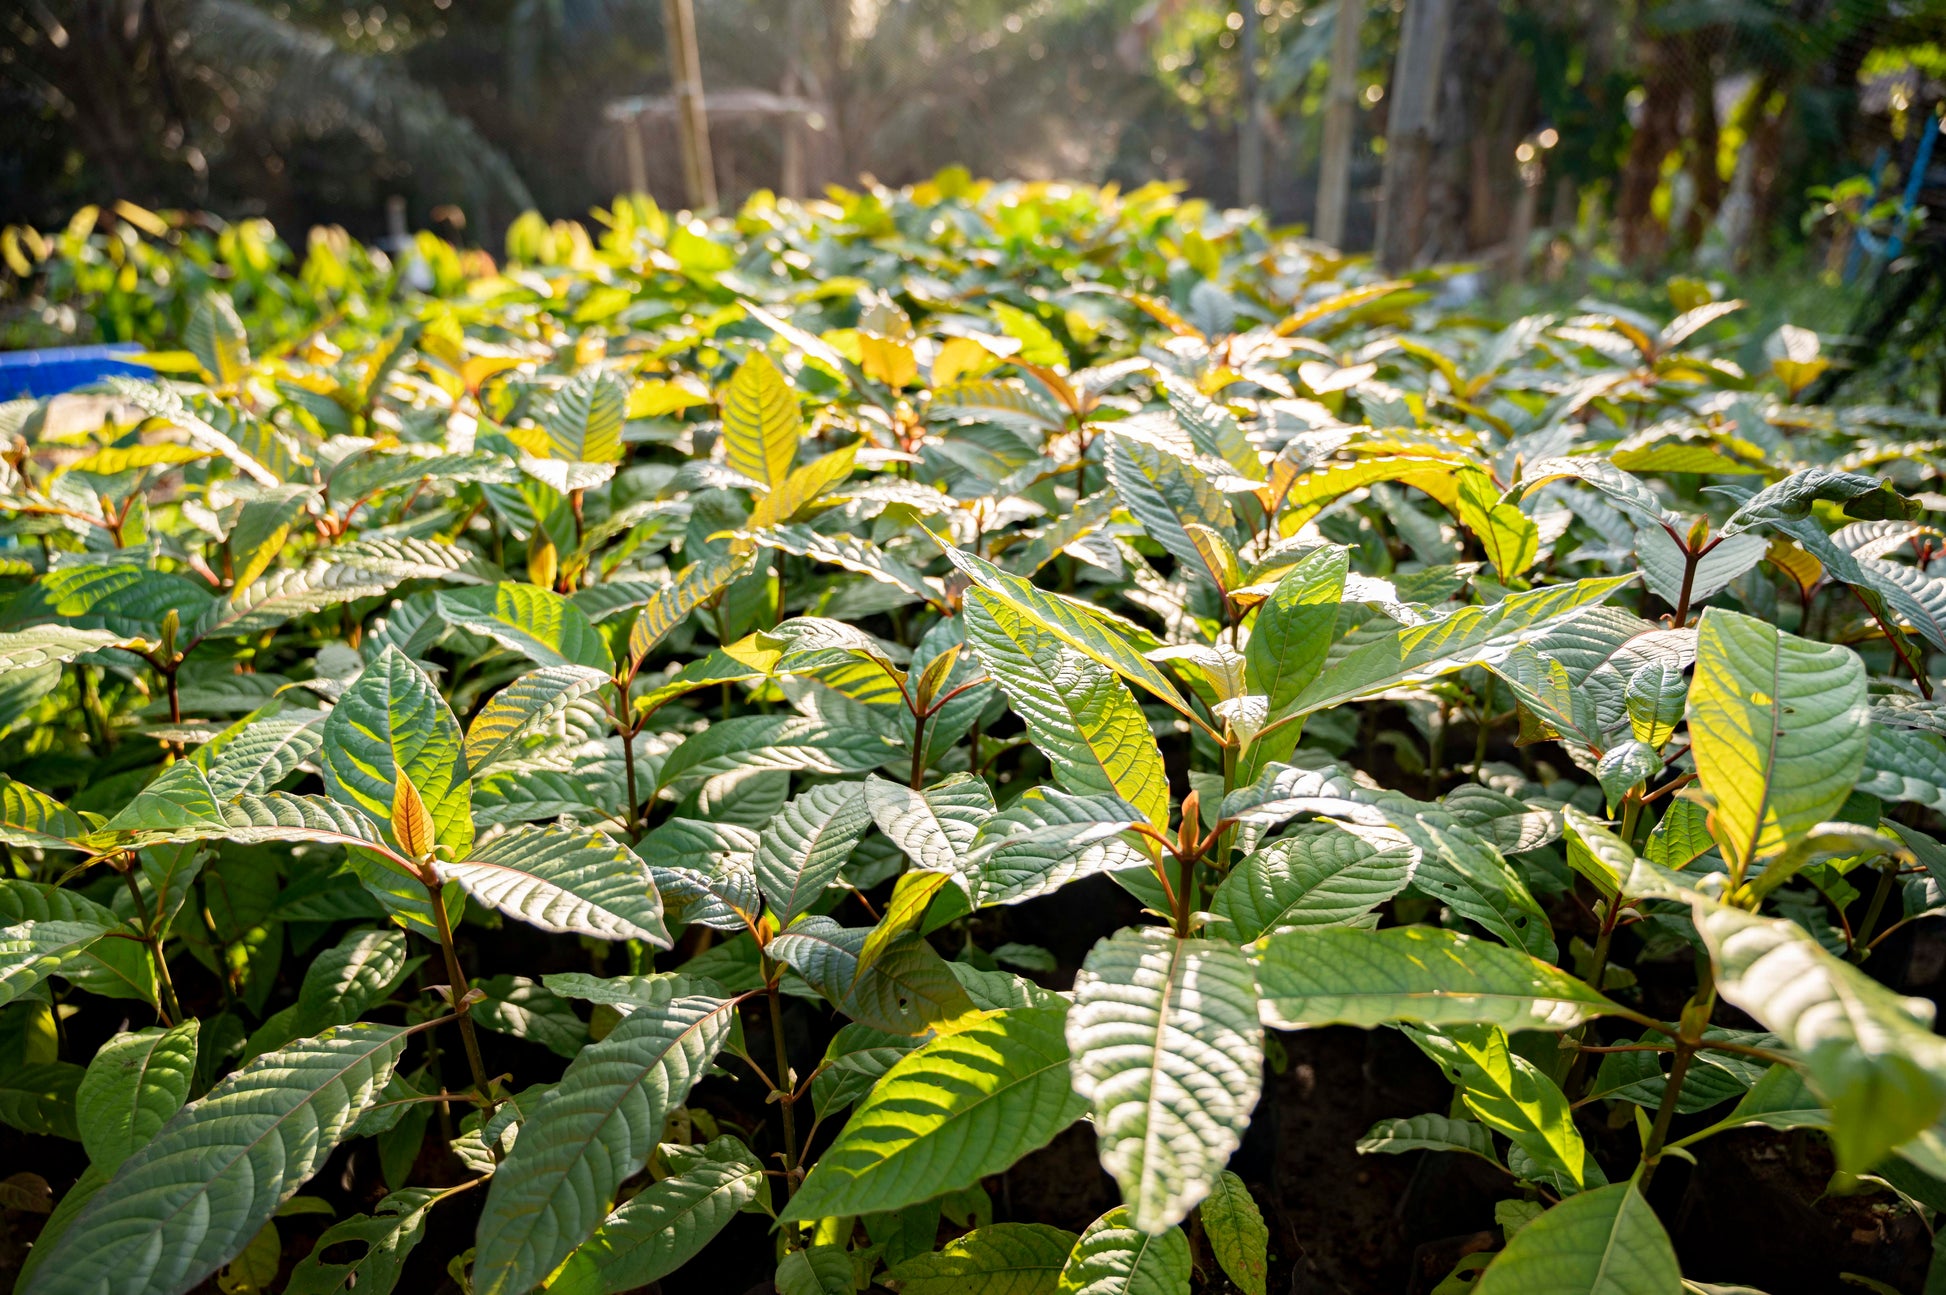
[
  {"x": 625, "y": 722},
  {"x": 1898, "y": 649},
  {"x": 1631, "y": 813},
  {"x": 1861, "y": 941},
  {"x": 1185, "y": 904},
  {"x": 1485, "y": 728},
  {"x": 782, "y": 1090},
  {"x": 1604, "y": 941},
  {"x": 1695, "y": 1019},
  {"x": 1688, "y": 582},
  {"x": 918, "y": 750},
  {"x": 171, "y": 1008},
  {"x": 1659, "y": 1131},
  {"x": 777, "y": 565},
  {"x": 456, "y": 978}
]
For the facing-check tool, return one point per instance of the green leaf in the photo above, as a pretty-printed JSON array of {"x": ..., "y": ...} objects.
[
  {"x": 1292, "y": 633},
  {"x": 1511, "y": 539},
  {"x": 1068, "y": 621},
  {"x": 393, "y": 722},
  {"x": 666, "y": 1224},
  {"x": 566, "y": 880},
  {"x": 1596, "y": 853},
  {"x": 538, "y": 623},
  {"x": 1868, "y": 1053},
  {"x": 804, "y": 848},
  {"x": 818, "y": 1270},
  {"x": 1076, "y": 711},
  {"x": 1236, "y": 1232},
  {"x": 761, "y": 424},
  {"x": 30, "y": 952},
  {"x": 584, "y": 423},
  {"x": 935, "y": 827},
  {"x": 115, "y": 968},
  {"x": 525, "y": 706},
  {"x": 216, "y": 1172},
  {"x": 344, "y": 981},
  {"x": 1468, "y": 875},
  {"x": 1113, "y": 1257},
  {"x": 699, "y": 582},
  {"x": 1320, "y": 874},
  {"x": 34, "y": 820},
  {"x": 134, "y": 1085},
  {"x": 596, "y": 1129},
  {"x": 39, "y": 1097},
  {"x": 1336, "y": 976},
  {"x": 1507, "y": 1093},
  {"x": 1166, "y": 493},
  {"x": 852, "y": 554},
  {"x": 1791, "y": 499},
  {"x": 1169, "y": 1055},
  {"x": 40, "y": 645},
  {"x": 388, "y": 1234},
  {"x": 998, "y": 1259},
  {"x": 1470, "y": 636},
  {"x": 215, "y": 336},
  {"x": 779, "y": 741},
  {"x": 524, "y": 1009},
  {"x": 263, "y": 527},
  {"x": 1048, "y": 838},
  {"x": 1779, "y": 728},
  {"x": 966, "y": 1105},
  {"x": 905, "y": 989},
  {"x": 1428, "y": 1133},
  {"x": 1601, "y": 1242}
]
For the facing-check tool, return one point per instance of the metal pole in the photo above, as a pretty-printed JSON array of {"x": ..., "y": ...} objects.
[
  {"x": 686, "y": 72},
  {"x": 1340, "y": 122}
]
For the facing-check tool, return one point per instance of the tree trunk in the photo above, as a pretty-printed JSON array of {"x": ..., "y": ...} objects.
[
  {"x": 1705, "y": 138},
  {"x": 1656, "y": 132},
  {"x": 1408, "y": 143},
  {"x": 1340, "y": 123}
]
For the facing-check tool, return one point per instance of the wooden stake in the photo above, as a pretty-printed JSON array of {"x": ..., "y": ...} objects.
[
  {"x": 1340, "y": 123},
  {"x": 686, "y": 72},
  {"x": 1250, "y": 130}
]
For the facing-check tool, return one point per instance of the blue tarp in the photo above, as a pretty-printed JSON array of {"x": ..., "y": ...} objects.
[{"x": 51, "y": 372}]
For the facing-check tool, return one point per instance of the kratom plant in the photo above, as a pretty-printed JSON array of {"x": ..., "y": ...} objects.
[{"x": 579, "y": 742}]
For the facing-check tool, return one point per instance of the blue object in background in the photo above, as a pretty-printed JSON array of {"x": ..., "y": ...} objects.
[{"x": 51, "y": 372}]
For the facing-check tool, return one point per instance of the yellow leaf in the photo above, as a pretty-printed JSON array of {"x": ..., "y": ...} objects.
[
  {"x": 412, "y": 826},
  {"x": 1510, "y": 537},
  {"x": 660, "y": 396},
  {"x": 106, "y": 463},
  {"x": 1794, "y": 562},
  {"x": 803, "y": 486},
  {"x": 476, "y": 370},
  {"x": 889, "y": 361},
  {"x": 760, "y": 421},
  {"x": 961, "y": 357}
]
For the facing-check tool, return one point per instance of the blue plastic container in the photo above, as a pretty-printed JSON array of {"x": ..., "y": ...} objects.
[{"x": 63, "y": 368}]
